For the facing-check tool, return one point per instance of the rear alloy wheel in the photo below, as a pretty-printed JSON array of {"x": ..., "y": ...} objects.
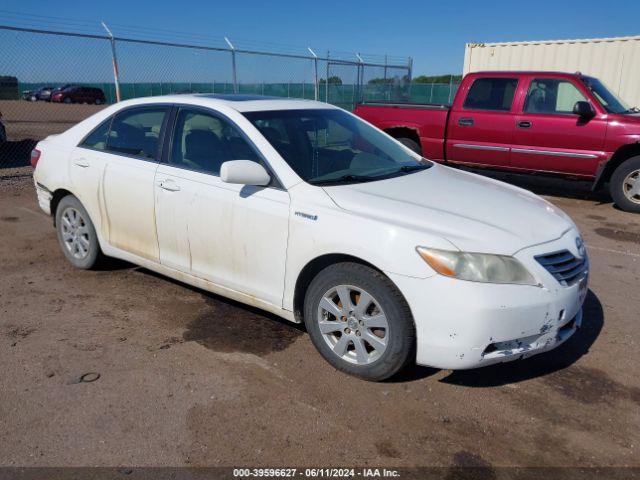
[
  {"x": 625, "y": 185},
  {"x": 411, "y": 144},
  {"x": 76, "y": 234},
  {"x": 98, "y": 101},
  {"x": 359, "y": 321}
]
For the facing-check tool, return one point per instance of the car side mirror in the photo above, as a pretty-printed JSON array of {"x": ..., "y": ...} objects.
[
  {"x": 584, "y": 110},
  {"x": 244, "y": 172}
]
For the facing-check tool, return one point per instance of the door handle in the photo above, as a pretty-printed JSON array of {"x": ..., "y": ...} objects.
[
  {"x": 465, "y": 122},
  {"x": 525, "y": 124},
  {"x": 169, "y": 185},
  {"x": 81, "y": 162}
]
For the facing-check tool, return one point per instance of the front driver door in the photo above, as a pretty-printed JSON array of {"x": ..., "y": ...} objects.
[
  {"x": 232, "y": 235},
  {"x": 549, "y": 136}
]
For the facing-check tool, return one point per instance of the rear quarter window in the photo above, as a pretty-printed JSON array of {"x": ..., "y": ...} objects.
[{"x": 491, "y": 94}]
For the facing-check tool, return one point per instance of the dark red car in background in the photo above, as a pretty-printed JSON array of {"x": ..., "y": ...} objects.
[
  {"x": 79, "y": 94},
  {"x": 550, "y": 122}
]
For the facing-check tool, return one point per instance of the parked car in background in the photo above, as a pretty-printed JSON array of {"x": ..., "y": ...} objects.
[
  {"x": 548, "y": 122},
  {"x": 42, "y": 93},
  {"x": 302, "y": 209},
  {"x": 79, "y": 94}
]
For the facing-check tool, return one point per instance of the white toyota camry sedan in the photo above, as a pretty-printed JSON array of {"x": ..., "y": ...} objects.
[{"x": 306, "y": 211}]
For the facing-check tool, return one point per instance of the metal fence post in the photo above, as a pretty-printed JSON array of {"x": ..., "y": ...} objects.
[
  {"x": 326, "y": 82},
  {"x": 360, "y": 90},
  {"x": 233, "y": 65},
  {"x": 114, "y": 60},
  {"x": 316, "y": 87}
]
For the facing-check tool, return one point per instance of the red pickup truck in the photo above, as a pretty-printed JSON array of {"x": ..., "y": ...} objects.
[{"x": 560, "y": 123}]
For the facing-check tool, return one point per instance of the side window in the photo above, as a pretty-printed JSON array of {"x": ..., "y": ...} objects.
[
  {"x": 203, "y": 142},
  {"x": 136, "y": 132},
  {"x": 549, "y": 95},
  {"x": 491, "y": 94},
  {"x": 97, "y": 139}
]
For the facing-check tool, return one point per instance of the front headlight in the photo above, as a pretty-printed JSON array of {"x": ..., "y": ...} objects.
[{"x": 477, "y": 267}]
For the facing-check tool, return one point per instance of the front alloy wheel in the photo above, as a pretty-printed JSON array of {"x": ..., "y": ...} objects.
[
  {"x": 625, "y": 185},
  {"x": 352, "y": 324},
  {"x": 359, "y": 321}
]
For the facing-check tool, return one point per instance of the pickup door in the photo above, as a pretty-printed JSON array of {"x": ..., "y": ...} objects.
[
  {"x": 549, "y": 136},
  {"x": 481, "y": 122}
]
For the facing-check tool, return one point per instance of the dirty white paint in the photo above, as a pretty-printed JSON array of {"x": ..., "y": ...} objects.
[{"x": 250, "y": 243}]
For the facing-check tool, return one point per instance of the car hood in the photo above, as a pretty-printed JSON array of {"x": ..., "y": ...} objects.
[{"x": 475, "y": 213}]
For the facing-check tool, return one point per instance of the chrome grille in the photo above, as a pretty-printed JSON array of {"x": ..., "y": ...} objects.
[{"x": 564, "y": 266}]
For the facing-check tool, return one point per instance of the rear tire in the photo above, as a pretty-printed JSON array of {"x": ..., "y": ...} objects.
[
  {"x": 77, "y": 235},
  {"x": 411, "y": 144},
  {"x": 624, "y": 185},
  {"x": 373, "y": 337}
]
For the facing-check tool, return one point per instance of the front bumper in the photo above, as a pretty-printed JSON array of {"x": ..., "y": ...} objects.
[{"x": 462, "y": 325}]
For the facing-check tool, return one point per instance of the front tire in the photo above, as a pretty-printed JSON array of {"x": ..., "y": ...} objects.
[
  {"x": 359, "y": 321},
  {"x": 67, "y": 100},
  {"x": 625, "y": 185},
  {"x": 76, "y": 234}
]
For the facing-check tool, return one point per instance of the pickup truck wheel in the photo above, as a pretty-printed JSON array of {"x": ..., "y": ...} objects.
[
  {"x": 411, "y": 144},
  {"x": 625, "y": 185},
  {"x": 76, "y": 234},
  {"x": 359, "y": 321}
]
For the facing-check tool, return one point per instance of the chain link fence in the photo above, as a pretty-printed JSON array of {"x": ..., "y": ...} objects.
[{"x": 50, "y": 80}]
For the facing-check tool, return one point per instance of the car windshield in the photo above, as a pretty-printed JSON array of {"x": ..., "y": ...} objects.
[
  {"x": 329, "y": 146},
  {"x": 608, "y": 100}
]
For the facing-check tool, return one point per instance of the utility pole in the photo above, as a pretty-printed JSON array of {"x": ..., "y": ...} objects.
[
  {"x": 116, "y": 74},
  {"x": 315, "y": 74},
  {"x": 233, "y": 65}
]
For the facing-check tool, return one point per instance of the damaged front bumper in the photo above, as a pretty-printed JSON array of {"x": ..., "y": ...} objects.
[{"x": 462, "y": 325}]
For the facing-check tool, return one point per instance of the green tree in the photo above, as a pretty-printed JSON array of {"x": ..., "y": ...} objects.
[
  {"x": 334, "y": 80},
  {"x": 437, "y": 78}
]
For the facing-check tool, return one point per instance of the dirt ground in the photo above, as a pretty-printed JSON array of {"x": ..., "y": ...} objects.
[{"x": 124, "y": 367}]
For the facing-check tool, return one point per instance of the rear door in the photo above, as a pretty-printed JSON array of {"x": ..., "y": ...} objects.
[
  {"x": 481, "y": 127},
  {"x": 131, "y": 160},
  {"x": 549, "y": 136},
  {"x": 86, "y": 168}
]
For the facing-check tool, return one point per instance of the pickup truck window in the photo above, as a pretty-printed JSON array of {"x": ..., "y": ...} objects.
[
  {"x": 327, "y": 146},
  {"x": 608, "y": 100},
  {"x": 552, "y": 95},
  {"x": 491, "y": 94}
]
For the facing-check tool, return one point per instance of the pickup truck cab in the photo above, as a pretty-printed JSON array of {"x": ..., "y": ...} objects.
[{"x": 549, "y": 122}]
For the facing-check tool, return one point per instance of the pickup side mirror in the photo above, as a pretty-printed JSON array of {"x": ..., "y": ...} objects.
[
  {"x": 584, "y": 110},
  {"x": 244, "y": 172}
]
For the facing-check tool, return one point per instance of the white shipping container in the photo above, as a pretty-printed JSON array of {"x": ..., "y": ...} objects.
[{"x": 615, "y": 61}]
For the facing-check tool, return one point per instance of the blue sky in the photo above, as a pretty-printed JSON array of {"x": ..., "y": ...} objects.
[{"x": 433, "y": 33}]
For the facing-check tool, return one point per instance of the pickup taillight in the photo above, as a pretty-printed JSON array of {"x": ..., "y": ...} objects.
[{"x": 35, "y": 156}]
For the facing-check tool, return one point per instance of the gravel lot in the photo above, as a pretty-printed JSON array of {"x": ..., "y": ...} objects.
[{"x": 189, "y": 378}]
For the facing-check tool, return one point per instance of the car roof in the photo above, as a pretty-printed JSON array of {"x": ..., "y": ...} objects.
[{"x": 239, "y": 102}]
